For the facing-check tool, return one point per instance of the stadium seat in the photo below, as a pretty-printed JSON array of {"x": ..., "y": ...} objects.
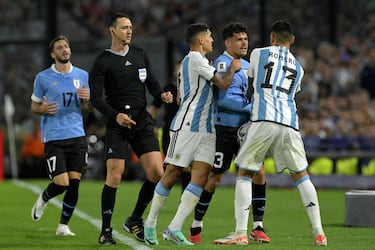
[
  {"x": 369, "y": 169},
  {"x": 347, "y": 166},
  {"x": 321, "y": 166},
  {"x": 269, "y": 166}
]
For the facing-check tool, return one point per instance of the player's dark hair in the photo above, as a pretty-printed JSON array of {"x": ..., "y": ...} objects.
[
  {"x": 193, "y": 29},
  {"x": 282, "y": 29},
  {"x": 233, "y": 27},
  {"x": 52, "y": 43},
  {"x": 113, "y": 19}
]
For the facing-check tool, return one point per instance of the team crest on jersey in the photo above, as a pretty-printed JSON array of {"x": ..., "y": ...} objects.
[
  {"x": 76, "y": 83},
  {"x": 142, "y": 73},
  {"x": 222, "y": 67}
]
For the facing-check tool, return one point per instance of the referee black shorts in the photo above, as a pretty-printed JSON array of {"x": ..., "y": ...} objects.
[
  {"x": 226, "y": 148},
  {"x": 140, "y": 137},
  {"x": 66, "y": 155}
]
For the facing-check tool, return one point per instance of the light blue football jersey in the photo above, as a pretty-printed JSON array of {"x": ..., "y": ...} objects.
[
  {"x": 232, "y": 107},
  {"x": 67, "y": 123},
  {"x": 277, "y": 78}
]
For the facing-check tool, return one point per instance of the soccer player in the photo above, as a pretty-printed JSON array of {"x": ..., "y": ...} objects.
[
  {"x": 57, "y": 96},
  {"x": 124, "y": 72},
  {"x": 276, "y": 77},
  {"x": 169, "y": 112},
  {"x": 232, "y": 110},
  {"x": 192, "y": 133}
]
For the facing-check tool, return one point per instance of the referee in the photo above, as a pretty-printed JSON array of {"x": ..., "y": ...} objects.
[{"x": 121, "y": 74}]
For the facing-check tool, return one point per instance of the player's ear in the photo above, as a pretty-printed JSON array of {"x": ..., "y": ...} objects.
[
  {"x": 226, "y": 43},
  {"x": 111, "y": 30},
  {"x": 272, "y": 38},
  {"x": 292, "y": 39},
  {"x": 200, "y": 39}
]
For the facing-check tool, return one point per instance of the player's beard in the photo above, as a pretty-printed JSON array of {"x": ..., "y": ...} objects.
[{"x": 63, "y": 61}]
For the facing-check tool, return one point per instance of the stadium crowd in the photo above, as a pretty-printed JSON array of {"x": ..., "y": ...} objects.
[{"x": 338, "y": 90}]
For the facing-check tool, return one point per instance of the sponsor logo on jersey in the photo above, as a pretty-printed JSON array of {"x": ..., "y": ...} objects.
[
  {"x": 76, "y": 83},
  {"x": 142, "y": 73},
  {"x": 127, "y": 63},
  {"x": 54, "y": 83}
]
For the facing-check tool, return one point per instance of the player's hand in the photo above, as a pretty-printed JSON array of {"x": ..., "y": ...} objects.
[
  {"x": 83, "y": 93},
  {"x": 236, "y": 65},
  {"x": 124, "y": 121},
  {"x": 49, "y": 108},
  {"x": 167, "y": 97}
]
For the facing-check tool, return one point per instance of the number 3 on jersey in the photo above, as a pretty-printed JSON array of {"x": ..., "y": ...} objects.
[{"x": 219, "y": 157}]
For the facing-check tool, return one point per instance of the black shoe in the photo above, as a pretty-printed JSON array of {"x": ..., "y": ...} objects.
[
  {"x": 134, "y": 227},
  {"x": 105, "y": 237}
]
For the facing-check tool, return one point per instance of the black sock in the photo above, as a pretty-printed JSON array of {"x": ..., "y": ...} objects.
[
  {"x": 202, "y": 205},
  {"x": 108, "y": 204},
  {"x": 144, "y": 197},
  {"x": 259, "y": 201},
  {"x": 53, "y": 190},
  {"x": 70, "y": 201}
]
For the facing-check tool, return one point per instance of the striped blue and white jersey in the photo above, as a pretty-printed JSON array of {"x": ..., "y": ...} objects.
[
  {"x": 195, "y": 89},
  {"x": 277, "y": 78},
  {"x": 232, "y": 105},
  {"x": 67, "y": 123}
]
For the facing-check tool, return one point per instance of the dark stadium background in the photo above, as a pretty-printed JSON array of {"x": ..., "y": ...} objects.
[{"x": 335, "y": 40}]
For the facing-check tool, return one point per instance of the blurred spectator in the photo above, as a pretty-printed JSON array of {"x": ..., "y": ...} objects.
[{"x": 367, "y": 75}]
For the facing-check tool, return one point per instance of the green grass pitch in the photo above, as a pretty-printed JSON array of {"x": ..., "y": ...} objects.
[{"x": 285, "y": 219}]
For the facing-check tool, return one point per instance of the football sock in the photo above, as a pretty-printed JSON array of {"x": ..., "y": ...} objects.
[
  {"x": 108, "y": 203},
  {"x": 144, "y": 198},
  {"x": 259, "y": 201},
  {"x": 242, "y": 202},
  {"x": 310, "y": 201},
  {"x": 203, "y": 204},
  {"x": 189, "y": 200},
  {"x": 53, "y": 190},
  {"x": 160, "y": 196},
  {"x": 70, "y": 201}
]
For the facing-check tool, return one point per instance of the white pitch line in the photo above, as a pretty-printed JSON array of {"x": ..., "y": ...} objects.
[{"x": 96, "y": 222}]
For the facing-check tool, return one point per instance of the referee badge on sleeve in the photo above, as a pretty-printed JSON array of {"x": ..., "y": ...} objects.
[{"x": 142, "y": 74}]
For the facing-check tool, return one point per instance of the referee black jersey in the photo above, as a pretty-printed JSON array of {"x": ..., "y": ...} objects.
[{"x": 124, "y": 78}]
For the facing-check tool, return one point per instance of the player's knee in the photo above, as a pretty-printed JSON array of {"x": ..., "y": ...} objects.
[{"x": 114, "y": 179}]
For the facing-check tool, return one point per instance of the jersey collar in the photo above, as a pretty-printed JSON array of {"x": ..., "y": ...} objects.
[{"x": 53, "y": 67}]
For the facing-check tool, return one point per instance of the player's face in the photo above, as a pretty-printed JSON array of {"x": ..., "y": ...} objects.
[
  {"x": 237, "y": 45},
  {"x": 124, "y": 29},
  {"x": 207, "y": 41},
  {"x": 61, "y": 51}
]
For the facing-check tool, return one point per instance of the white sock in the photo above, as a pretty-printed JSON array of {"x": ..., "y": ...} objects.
[
  {"x": 186, "y": 206},
  {"x": 242, "y": 202},
  {"x": 197, "y": 223},
  {"x": 257, "y": 223},
  {"x": 310, "y": 201},
  {"x": 156, "y": 205}
]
